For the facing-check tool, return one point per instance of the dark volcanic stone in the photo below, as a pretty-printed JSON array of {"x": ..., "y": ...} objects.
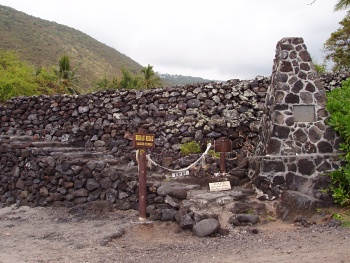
[
  {"x": 193, "y": 103},
  {"x": 324, "y": 147},
  {"x": 292, "y": 98},
  {"x": 306, "y": 167},
  {"x": 186, "y": 222},
  {"x": 286, "y": 66},
  {"x": 172, "y": 190},
  {"x": 248, "y": 218},
  {"x": 305, "y": 56},
  {"x": 274, "y": 146},
  {"x": 298, "y": 86},
  {"x": 281, "y": 132},
  {"x": 206, "y": 227},
  {"x": 168, "y": 215},
  {"x": 300, "y": 135},
  {"x": 274, "y": 166},
  {"x": 92, "y": 184},
  {"x": 295, "y": 203}
]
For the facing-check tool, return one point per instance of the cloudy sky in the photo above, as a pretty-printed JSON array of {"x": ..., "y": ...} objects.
[{"x": 219, "y": 40}]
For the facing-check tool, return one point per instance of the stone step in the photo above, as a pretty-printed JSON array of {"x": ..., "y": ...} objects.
[
  {"x": 50, "y": 144},
  {"x": 205, "y": 200},
  {"x": 82, "y": 155},
  {"x": 63, "y": 149},
  {"x": 226, "y": 206}
]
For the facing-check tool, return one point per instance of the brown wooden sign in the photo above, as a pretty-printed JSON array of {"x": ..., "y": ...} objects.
[
  {"x": 222, "y": 145},
  {"x": 143, "y": 140}
]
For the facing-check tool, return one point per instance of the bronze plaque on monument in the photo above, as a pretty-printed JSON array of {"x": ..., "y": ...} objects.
[
  {"x": 222, "y": 145},
  {"x": 143, "y": 140}
]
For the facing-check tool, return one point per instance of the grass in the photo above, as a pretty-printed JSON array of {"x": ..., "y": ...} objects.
[{"x": 344, "y": 216}]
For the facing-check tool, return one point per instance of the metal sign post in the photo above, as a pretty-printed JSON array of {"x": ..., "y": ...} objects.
[
  {"x": 222, "y": 145},
  {"x": 142, "y": 141}
]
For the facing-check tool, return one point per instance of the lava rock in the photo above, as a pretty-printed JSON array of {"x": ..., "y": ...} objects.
[
  {"x": 173, "y": 191},
  {"x": 206, "y": 227}
]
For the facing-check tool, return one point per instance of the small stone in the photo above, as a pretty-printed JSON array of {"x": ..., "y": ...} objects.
[
  {"x": 206, "y": 227},
  {"x": 92, "y": 184},
  {"x": 171, "y": 201},
  {"x": 186, "y": 222},
  {"x": 248, "y": 218},
  {"x": 254, "y": 231},
  {"x": 168, "y": 215},
  {"x": 172, "y": 190}
]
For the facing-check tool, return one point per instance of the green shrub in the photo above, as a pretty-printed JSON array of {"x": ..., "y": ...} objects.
[
  {"x": 212, "y": 153},
  {"x": 338, "y": 105},
  {"x": 20, "y": 79},
  {"x": 320, "y": 68},
  {"x": 190, "y": 147}
]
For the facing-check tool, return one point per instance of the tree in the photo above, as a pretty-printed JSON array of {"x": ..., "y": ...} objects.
[
  {"x": 149, "y": 78},
  {"x": 129, "y": 80},
  {"x": 66, "y": 74},
  {"x": 342, "y": 5},
  {"x": 337, "y": 46}
]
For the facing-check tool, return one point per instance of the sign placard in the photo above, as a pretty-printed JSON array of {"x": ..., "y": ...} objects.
[
  {"x": 143, "y": 140},
  {"x": 182, "y": 173},
  {"x": 223, "y": 145},
  {"x": 220, "y": 186}
]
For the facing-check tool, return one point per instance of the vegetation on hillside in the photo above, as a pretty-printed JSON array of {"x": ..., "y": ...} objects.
[
  {"x": 18, "y": 78},
  {"x": 42, "y": 43},
  {"x": 146, "y": 79},
  {"x": 173, "y": 80},
  {"x": 149, "y": 79},
  {"x": 66, "y": 75}
]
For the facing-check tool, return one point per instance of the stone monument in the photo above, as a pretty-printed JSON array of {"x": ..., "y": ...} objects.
[{"x": 296, "y": 146}]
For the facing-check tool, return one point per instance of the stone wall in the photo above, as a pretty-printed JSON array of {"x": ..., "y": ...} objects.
[
  {"x": 70, "y": 149},
  {"x": 67, "y": 149},
  {"x": 201, "y": 112},
  {"x": 296, "y": 146}
]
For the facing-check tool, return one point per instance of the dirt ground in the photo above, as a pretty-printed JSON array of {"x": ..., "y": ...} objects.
[{"x": 97, "y": 234}]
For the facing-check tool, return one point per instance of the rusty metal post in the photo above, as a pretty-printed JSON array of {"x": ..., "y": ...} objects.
[
  {"x": 142, "y": 183},
  {"x": 222, "y": 163}
]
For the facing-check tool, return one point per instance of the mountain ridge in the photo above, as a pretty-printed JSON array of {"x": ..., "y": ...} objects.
[{"x": 41, "y": 43}]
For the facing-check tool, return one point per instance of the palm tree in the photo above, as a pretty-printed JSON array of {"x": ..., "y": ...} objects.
[
  {"x": 66, "y": 74},
  {"x": 342, "y": 5},
  {"x": 149, "y": 78}
]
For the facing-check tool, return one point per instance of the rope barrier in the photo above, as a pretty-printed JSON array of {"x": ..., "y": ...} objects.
[{"x": 183, "y": 169}]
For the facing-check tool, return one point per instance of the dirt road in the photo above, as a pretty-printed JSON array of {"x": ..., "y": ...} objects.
[{"x": 97, "y": 234}]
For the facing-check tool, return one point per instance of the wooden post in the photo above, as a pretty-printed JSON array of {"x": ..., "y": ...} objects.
[
  {"x": 222, "y": 146},
  {"x": 222, "y": 163},
  {"x": 142, "y": 141},
  {"x": 142, "y": 183}
]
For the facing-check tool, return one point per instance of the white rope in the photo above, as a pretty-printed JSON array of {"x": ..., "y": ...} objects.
[{"x": 183, "y": 169}]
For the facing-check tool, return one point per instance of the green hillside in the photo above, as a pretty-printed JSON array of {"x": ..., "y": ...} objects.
[
  {"x": 42, "y": 43},
  {"x": 173, "y": 80}
]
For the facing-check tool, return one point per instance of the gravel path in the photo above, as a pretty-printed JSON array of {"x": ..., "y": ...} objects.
[{"x": 96, "y": 234}]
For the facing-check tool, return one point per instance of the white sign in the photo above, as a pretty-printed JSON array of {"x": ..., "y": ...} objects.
[
  {"x": 182, "y": 173},
  {"x": 220, "y": 186}
]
